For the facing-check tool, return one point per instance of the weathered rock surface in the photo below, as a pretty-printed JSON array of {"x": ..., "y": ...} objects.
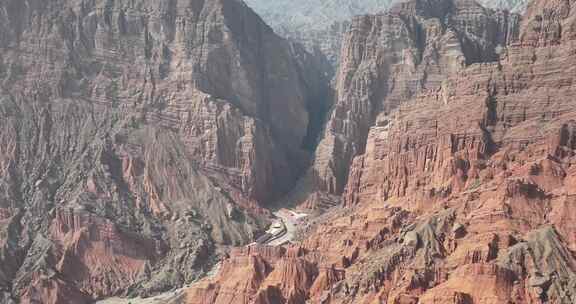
[
  {"x": 321, "y": 24},
  {"x": 389, "y": 58},
  {"x": 137, "y": 137},
  {"x": 258, "y": 275},
  {"x": 464, "y": 190}
]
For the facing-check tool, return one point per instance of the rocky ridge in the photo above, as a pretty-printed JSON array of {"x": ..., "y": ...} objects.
[
  {"x": 138, "y": 138},
  {"x": 392, "y": 57},
  {"x": 320, "y": 25},
  {"x": 463, "y": 192}
]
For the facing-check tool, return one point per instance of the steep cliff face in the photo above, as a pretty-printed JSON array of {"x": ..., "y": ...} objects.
[
  {"x": 159, "y": 60},
  {"x": 258, "y": 275},
  {"x": 389, "y": 58},
  {"x": 464, "y": 192},
  {"x": 137, "y": 137}
]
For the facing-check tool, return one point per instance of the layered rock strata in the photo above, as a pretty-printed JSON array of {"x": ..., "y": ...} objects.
[
  {"x": 390, "y": 58},
  {"x": 320, "y": 25},
  {"x": 464, "y": 193},
  {"x": 137, "y": 138}
]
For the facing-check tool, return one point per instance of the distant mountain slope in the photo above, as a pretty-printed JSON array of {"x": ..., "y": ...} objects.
[
  {"x": 299, "y": 14},
  {"x": 295, "y": 14},
  {"x": 516, "y": 6},
  {"x": 320, "y": 24}
]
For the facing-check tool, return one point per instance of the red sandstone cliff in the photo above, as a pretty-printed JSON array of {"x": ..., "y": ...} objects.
[
  {"x": 464, "y": 190},
  {"x": 137, "y": 138},
  {"x": 390, "y": 58}
]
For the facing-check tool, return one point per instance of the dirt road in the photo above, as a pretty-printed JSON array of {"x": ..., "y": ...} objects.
[{"x": 290, "y": 220}]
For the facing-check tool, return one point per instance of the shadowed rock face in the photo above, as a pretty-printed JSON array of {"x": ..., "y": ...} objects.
[
  {"x": 153, "y": 56},
  {"x": 136, "y": 138},
  {"x": 464, "y": 190}
]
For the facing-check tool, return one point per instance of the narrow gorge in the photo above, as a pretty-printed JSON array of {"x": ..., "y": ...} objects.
[
  {"x": 140, "y": 139},
  {"x": 458, "y": 123},
  {"x": 147, "y": 146}
]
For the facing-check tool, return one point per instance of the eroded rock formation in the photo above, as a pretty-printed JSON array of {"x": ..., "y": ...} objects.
[
  {"x": 320, "y": 25},
  {"x": 136, "y": 138},
  {"x": 390, "y": 58},
  {"x": 464, "y": 190}
]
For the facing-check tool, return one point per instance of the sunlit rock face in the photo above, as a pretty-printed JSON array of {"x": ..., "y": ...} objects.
[
  {"x": 136, "y": 138},
  {"x": 384, "y": 60},
  {"x": 464, "y": 189},
  {"x": 389, "y": 58}
]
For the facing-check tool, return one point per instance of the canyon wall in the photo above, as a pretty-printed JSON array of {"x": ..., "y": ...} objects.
[
  {"x": 137, "y": 138},
  {"x": 464, "y": 190},
  {"x": 389, "y": 58}
]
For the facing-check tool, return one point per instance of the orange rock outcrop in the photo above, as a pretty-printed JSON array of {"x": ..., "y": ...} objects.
[{"x": 464, "y": 190}]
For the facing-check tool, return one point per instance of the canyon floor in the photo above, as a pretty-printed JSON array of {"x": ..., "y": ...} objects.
[{"x": 184, "y": 152}]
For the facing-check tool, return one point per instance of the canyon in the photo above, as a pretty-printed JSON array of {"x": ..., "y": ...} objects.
[
  {"x": 459, "y": 125},
  {"x": 145, "y": 146},
  {"x": 139, "y": 139}
]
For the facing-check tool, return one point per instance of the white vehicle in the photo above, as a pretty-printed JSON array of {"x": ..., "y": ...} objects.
[{"x": 277, "y": 228}]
